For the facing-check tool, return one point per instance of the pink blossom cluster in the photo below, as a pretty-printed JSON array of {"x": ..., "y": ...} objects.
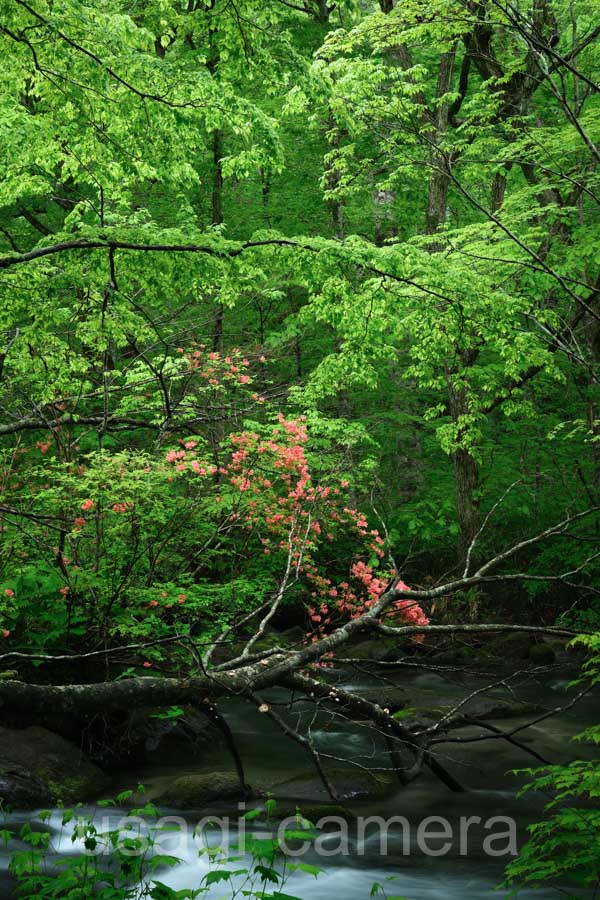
[
  {"x": 186, "y": 459},
  {"x": 216, "y": 368},
  {"x": 346, "y": 601},
  {"x": 295, "y": 516}
]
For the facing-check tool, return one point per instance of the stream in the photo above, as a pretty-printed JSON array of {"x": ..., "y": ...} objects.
[{"x": 458, "y": 863}]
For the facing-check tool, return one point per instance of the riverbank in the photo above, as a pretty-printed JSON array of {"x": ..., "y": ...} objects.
[{"x": 358, "y": 765}]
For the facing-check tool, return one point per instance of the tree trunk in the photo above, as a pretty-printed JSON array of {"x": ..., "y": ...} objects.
[
  {"x": 217, "y": 219},
  {"x": 437, "y": 203},
  {"x": 466, "y": 473},
  {"x": 466, "y": 470},
  {"x": 593, "y": 401},
  {"x": 322, "y": 12},
  {"x": 333, "y": 178},
  {"x": 499, "y": 189}
]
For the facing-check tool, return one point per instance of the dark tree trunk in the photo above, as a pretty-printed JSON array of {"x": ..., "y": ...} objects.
[
  {"x": 466, "y": 470},
  {"x": 466, "y": 473},
  {"x": 217, "y": 219},
  {"x": 333, "y": 177},
  {"x": 593, "y": 403},
  {"x": 322, "y": 12},
  {"x": 499, "y": 189},
  {"x": 437, "y": 203}
]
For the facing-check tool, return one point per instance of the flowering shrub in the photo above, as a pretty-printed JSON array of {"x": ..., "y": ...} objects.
[
  {"x": 138, "y": 544},
  {"x": 292, "y": 515}
]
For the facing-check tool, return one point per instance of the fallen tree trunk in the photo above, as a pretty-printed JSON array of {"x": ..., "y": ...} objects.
[{"x": 280, "y": 669}]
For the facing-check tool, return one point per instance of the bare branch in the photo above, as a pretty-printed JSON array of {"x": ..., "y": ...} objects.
[
  {"x": 301, "y": 739},
  {"x": 557, "y": 710},
  {"x": 462, "y": 628},
  {"x": 484, "y": 525}
]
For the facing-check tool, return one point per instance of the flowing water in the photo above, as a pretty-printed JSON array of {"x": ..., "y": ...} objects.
[{"x": 458, "y": 864}]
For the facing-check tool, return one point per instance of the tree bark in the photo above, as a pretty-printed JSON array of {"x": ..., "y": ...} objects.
[
  {"x": 466, "y": 471},
  {"x": 217, "y": 219},
  {"x": 439, "y": 183}
]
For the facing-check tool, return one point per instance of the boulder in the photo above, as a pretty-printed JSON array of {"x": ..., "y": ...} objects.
[
  {"x": 368, "y": 648},
  {"x": 542, "y": 654},
  {"x": 424, "y": 715},
  {"x": 292, "y": 636},
  {"x": 349, "y": 785},
  {"x": 197, "y": 791},
  {"x": 387, "y": 696},
  {"x": 152, "y": 735},
  {"x": 178, "y": 740},
  {"x": 514, "y": 645},
  {"x": 40, "y": 768},
  {"x": 490, "y": 708}
]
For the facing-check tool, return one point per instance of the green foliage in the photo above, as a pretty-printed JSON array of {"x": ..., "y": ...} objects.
[
  {"x": 565, "y": 846},
  {"x": 379, "y": 217},
  {"x": 121, "y": 863},
  {"x": 462, "y": 325},
  {"x": 380, "y": 890}
]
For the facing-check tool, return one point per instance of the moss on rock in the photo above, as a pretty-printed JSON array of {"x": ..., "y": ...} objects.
[
  {"x": 196, "y": 791},
  {"x": 542, "y": 654},
  {"x": 348, "y": 784},
  {"x": 38, "y": 767}
]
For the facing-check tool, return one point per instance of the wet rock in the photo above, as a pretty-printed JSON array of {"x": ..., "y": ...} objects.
[
  {"x": 542, "y": 654},
  {"x": 388, "y": 697},
  {"x": 292, "y": 636},
  {"x": 197, "y": 791},
  {"x": 348, "y": 785},
  {"x": 149, "y": 735},
  {"x": 39, "y": 768},
  {"x": 314, "y": 813},
  {"x": 370, "y": 648},
  {"x": 515, "y": 645},
  {"x": 267, "y": 642},
  {"x": 462, "y": 655},
  {"x": 425, "y": 715},
  {"x": 500, "y": 709},
  {"x": 177, "y": 740}
]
